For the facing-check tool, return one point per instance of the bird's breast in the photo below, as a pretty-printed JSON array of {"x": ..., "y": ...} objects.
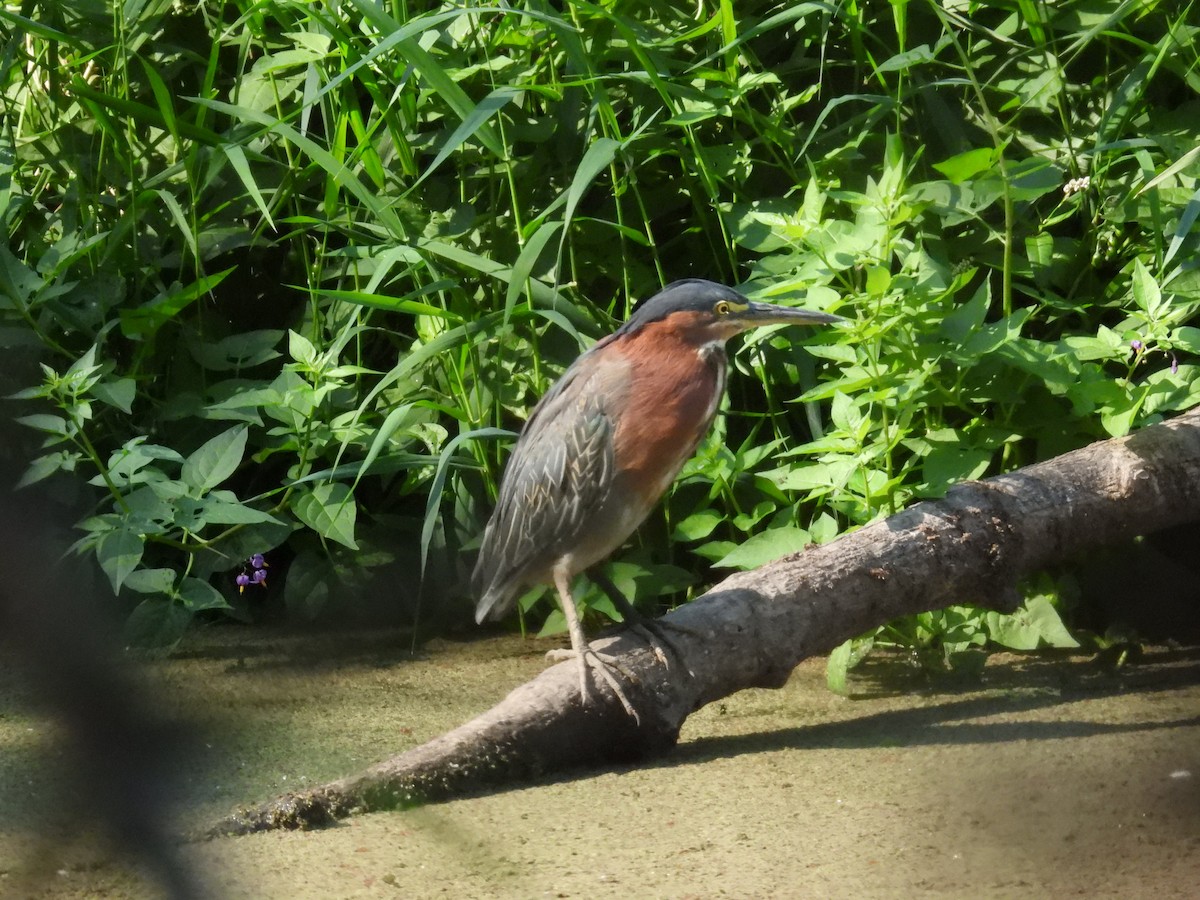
[{"x": 672, "y": 399}]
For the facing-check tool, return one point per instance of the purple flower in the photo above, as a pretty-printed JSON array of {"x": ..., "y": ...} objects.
[
  {"x": 1136, "y": 345},
  {"x": 260, "y": 577},
  {"x": 242, "y": 580},
  {"x": 257, "y": 562}
]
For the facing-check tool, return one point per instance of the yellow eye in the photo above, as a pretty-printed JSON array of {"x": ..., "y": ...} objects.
[{"x": 722, "y": 308}]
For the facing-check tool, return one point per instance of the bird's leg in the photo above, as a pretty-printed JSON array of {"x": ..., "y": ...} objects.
[
  {"x": 651, "y": 631},
  {"x": 583, "y": 650}
]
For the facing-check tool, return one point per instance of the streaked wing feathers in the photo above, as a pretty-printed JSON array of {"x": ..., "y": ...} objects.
[{"x": 558, "y": 472}]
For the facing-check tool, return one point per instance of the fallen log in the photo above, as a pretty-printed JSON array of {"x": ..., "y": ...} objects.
[{"x": 752, "y": 629}]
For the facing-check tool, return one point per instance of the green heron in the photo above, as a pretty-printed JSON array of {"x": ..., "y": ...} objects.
[{"x": 606, "y": 442}]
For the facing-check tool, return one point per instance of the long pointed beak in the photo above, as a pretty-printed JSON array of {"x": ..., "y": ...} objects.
[{"x": 760, "y": 313}]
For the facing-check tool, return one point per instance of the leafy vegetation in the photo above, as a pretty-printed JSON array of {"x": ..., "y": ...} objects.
[{"x": 280, "y": 278}]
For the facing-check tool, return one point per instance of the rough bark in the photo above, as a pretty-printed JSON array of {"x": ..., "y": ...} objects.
[{"x": 752, "y": 629}]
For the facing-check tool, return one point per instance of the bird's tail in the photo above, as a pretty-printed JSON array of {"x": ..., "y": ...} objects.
[
  {"x": 486, "y": 607},
  {"x": 496, "y": 594},
  {"x": 495, "y": 603}
]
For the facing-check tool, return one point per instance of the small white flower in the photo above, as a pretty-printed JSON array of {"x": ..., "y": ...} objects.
[{"x": 1075, "y": 185}]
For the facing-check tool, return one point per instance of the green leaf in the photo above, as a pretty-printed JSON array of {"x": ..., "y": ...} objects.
[
  {"x": 398, "y": 416},
  {"x": 119, "y": 553},
  {"x": 1118, "y": 420},
  {"x": 823, "y": 529},
  {"x": 392, "y": 304},
  {"x": 237, "y": 158},
  {"x": 215, "y": 460},
  {"x": 1048, "y": 622},
  {"x": 846, "y": 416},
  {"x": 697, "y": 526},
  {"x": 967, "y": 318},
  {"x": 45, "y": 422},
  {"x": 832, "y": 472},
  {"x": 475, "y": 119},
  {"x": 222, "y": 508},
  {"x": 638, "y": 581},
  {"x": 83, "y": 368},
  {"x": 597, "y": 158},
  {"x": 947, "y": 466},
  {"x": 45, "y": 466},
  {"x": 198, "y": 595},
  {"x": 340, "y": 175},
  {"x": 157, "y": 623},
  {"x": 146, "y": 319},
  {"x": 151, "y": 581},
  {"x": 171, "y": 205},
  {"x": 714, "y": 550},
  {"x": 1170, "y": 171},
  {"x": 133, "y": 463},
  {"x": 118, "y": 393},
  {"x": 765, "y": 547},
  {"x": 748, "y": 521},
  {"x": 330, "y": 511},
  {"x": 1186, "y": 338},
  {"x": 34, "y": 27},
  {"x": 1036, "y": 625},
  {"x": 1146, "y": 293},
  {"x": 837, "y": 667},
  {"x": 1183, "y": 229},
  {"x": 238, "y": 351},
  {"x": 990, "y": 337},
  {"x": 1106, "y": 345},
  {"x": 556, "y": 623},
  {"x": 966, "y": 165},
  {"x": 149, "y": 505},
  {"x": 403, "y": 37},
  {"x": 138, "y": 112},
  {"x": 522, "y": 269},
  {"x": 301, "y": 349}
]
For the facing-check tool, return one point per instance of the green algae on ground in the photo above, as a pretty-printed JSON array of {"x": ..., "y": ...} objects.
[{"x": 1046, "y": 778}]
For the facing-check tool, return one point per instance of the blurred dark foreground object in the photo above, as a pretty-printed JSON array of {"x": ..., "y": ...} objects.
[{"x": 121, "y": 756}]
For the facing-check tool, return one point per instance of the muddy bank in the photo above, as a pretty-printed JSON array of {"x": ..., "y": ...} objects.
[{"x": 1048, "y": 778}]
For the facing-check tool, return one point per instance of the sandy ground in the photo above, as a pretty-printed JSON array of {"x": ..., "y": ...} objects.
[{"x": 1049, "y": 778}]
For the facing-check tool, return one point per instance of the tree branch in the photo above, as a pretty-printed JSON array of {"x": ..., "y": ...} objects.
[{"x": 753, "y": 628}]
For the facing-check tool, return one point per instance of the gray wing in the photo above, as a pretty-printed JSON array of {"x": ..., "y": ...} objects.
[{"x": 560, "y": 469}]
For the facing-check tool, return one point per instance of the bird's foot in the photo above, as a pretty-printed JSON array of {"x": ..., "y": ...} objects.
[
  {"x": 654, "y": 633},
  {"x": 605, "y": 665}
]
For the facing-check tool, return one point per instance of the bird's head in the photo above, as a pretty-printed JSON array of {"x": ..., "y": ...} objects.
[{"x": 707, "y": 313}]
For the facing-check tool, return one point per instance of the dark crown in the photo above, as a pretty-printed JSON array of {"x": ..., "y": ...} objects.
[{"x": 687, "y": 295}]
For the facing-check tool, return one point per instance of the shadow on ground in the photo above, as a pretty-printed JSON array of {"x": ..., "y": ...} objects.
[{"x": 1046, "y": 778}]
